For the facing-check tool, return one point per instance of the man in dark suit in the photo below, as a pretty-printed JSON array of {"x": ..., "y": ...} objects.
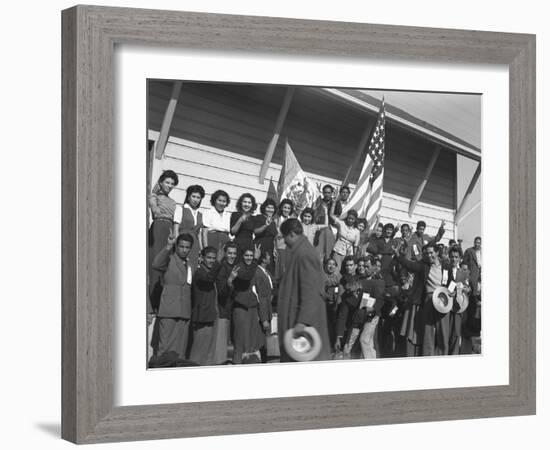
[
  {"x": 454, "y": 276},
  {"x": 435, "y": 325},
  {"x": 472, "y": 257}
]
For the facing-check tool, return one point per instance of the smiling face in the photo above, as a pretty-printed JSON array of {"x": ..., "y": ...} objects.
[
  {"x": 246, "y": 204},
  {"x": 269, "y": 210},
  {"x": 405, "y": 231},
  {"x": 331, "y": 266},
  {"x": 220, "y": 203},
  {"x": 361, "y": 226},
  {"x": 388, "y": 232},
  {"x": 378, "y": 232},
  {"x": 167, "y": 185},
  {"x": 307, "y": 218},
  {"x": 248, "y": 257},
  {"x": 285, "y": 210},
  {"x": 350, "y": 220},
  {"x": 429, "y": 255},
  {"x": 361, "y": 267},
  {"x": 231, "y": 255}
]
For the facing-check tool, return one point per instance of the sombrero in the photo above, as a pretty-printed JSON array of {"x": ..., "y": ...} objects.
[
  {"x": 442, "y": 300},
  {"x": 302, "y": 346},
  {"x": 461, "y": 301}
]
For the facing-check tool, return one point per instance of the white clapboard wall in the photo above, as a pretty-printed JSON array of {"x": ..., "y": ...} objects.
[{"x": 214, "y": 168}]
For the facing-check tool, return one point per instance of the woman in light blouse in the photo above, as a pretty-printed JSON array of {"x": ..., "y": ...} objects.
[
  {"x": 216, "y": 221},
  {"x": 191, "y": 221},
  {"x": 347, "y": 240},
  {"x": 162, "y": 208}
]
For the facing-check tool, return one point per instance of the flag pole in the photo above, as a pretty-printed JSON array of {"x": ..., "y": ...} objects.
[{"x": 360, "y": 150}]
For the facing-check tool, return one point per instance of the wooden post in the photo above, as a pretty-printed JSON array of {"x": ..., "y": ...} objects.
[
  {"x": 360, "y": 150},
  {"x": 167, "y": 120},
  {"x": 427, "y": 174},
  {"x": 276, "y": 133},
  {"x": 468, "y": 192}
]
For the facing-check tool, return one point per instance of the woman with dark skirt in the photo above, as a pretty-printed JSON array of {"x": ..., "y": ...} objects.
[
  {"x": 266, "y": 230},
  {"x": 243, "y": 224},
  {"x": 248, "y": 336},
  {"x": 216, "y": 221},
  {"x": 162, "y": 208},
  {"x": 191, "y": 221}
]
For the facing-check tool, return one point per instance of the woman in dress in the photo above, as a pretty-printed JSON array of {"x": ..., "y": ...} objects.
[
  {"x": 248, "y": 336},
  {"x": 191, "y": 221},
  {"x": 286, "y": 209},
  {"x": 242, "y": 223},
  {"x": 162, "y": 208},
  {"x": 266, "y": 230},
  {"x": 216, "y": 221}
]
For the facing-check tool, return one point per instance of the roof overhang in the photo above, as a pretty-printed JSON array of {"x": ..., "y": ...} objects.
[{"x": 400, "y": 118}]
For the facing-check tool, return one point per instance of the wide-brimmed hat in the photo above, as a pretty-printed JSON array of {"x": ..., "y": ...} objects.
[
  {"x": 461, "y": 301},
  {"x": 442, "y": 300},
  {"x": 304, "y": 346}
]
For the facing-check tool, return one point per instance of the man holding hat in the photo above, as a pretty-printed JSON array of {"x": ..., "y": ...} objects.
[
  {"x": 300, "y": 300},
  {"x": 430, "y": 276}
]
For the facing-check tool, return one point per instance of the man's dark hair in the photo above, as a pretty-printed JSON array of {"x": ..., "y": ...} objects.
[
  {"x": 477, "y": 237},
  {"x": 454, "y": 249},
  {"x": 228, "y": 245},
  {"x": 405, "y": 225},
  {"x": 389, "y": 226},
  {"x": 208, "y": 249},
  {"x": 429, "y": 245},
  {"x": 328, "y": 186},
  {"x": 345, "y": 188},
  {"x": 185, "y": 237},
  {"x": 421, "y": 223},
  {"x": 291, "y": 225}
]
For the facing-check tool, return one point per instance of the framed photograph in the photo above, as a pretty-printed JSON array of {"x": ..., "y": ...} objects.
[{"x": 195, "y": 144}]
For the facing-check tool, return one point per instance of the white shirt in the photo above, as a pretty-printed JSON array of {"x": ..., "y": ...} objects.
[{"x": 214, "y": 221}]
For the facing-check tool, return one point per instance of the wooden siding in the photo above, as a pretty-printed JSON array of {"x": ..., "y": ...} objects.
[
  {"x": 214, "y": 168},
  {"x": 324, "y": 133},
  {"x": 221, "y": 132}
]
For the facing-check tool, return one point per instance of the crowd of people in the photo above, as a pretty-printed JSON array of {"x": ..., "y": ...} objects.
[{"x": 216, "y": 280}]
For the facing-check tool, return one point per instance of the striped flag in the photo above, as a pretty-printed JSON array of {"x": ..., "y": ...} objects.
[{"x": 367, "y": 197}]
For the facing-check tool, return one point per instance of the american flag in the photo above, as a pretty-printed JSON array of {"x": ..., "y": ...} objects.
[{"x": 367, "y": 197}]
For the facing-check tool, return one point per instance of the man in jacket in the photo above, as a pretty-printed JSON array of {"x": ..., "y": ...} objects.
[
  {"x": 175, "y": 301},
  {"x": 435, "y": 326},
  {"x": 300, "y": 300}
]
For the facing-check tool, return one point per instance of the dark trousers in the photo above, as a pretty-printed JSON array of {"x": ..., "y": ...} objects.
[{"x": 436, "y": 330}]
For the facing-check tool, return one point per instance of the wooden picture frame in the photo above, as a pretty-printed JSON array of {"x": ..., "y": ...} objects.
[{"x": 89, "y": 36}]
